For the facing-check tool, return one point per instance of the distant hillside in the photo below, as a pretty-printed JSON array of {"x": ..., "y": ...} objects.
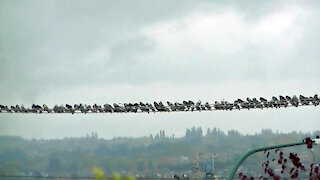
[{"x": 157, "y": 155}]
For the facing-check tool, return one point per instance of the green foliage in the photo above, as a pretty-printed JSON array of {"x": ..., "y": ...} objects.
[{"x": 99, "y": 175}]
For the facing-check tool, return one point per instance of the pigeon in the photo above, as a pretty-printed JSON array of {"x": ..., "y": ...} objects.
[
  {"x": 136, "y": 107},
  {"x": 187, "y": 105},
  {"x": 63, "y": 109},
  {"x": 283, "y": 101},
  {"x": 151, "y": 107},
  {"x": 315, "y": 100},
  {"x": 70, "y": 108},
  {"x": 289, "y": 99},
  {"x": 304, "y": 100},
  {"x": 251, "y": 103},
  {"x": 82, "y": 108},
  {"x": 179, "y": 106},
  {"x": 14, "y": 109},
  {"x": 144, "y": 107},
  {"x": 97, "y": 108},
  {"x": 163, "y": 107},
  {"x": 107, "y": 108},
  {"x": 160, "y": 107},
  {"x": 228, "y": 106},
  {"x": 275, "y": 102},
  {"x": 207, "y": 105},
  {"x": 18, "y": 109},
  {"x": 264, "y": 102},
  {"x": 235, "y": 104},
  {"x": 257, "y": 103},
  {"x": 218, "y": 105},
  {"x": 245, "y": 105},
  {"x": 5, "y": 108},
  {"x": 116, "y": 107},
  {"x": 57, "y": 109},
  {"x": 198, "y": 106},
  {"x": 46, "y": 108},
  {"x": 173, "y": 107},
  {"x": 36, "y": 108},
  {"x": 203, "y": 107},
  {"x": 157, "y": 106},
  {"x": 128, "y": 107},
  {"x": 295, "y": 101},
  {"x": 23, "y": 109},
  {"x": 192, "y": 105}
]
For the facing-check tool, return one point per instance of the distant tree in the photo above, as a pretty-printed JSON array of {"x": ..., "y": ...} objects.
[
  {"x": 54, "y": 164},
  {"x": 150, "y": 165},
  {"x": 199, "y": 132},
  {"x": 234, "y": 133},
  {"x": 140, "y": 165},
  {"x": 157, "y": 136},
  {"x": 208, "y": 132},
  {"x": 188, "y": 133}
]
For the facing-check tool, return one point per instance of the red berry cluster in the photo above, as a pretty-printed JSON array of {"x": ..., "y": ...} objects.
[{"x": 290, "y": 167}]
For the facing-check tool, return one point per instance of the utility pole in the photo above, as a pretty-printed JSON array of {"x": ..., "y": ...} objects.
[
  {"x": 197, "y": 165},
  {"x": 212, "y": 162}
]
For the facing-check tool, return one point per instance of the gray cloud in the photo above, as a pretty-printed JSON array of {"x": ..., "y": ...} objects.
[{"x": 58, "y": 52}]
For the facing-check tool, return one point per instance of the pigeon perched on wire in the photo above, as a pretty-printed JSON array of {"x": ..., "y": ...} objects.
[
  {"x": 304, "y": 100},
  {"x": 107, "y": 108},
  {"x": 172, "y": 106},
  {"x": 236, "y": 104},
  {"x": 275, "y": 102},
  {"x": 244, "y": 104},
  {"x": 192, "y": 105},
  {"x": 151, "y": 107},
  {"x": 207, "y": 105},
  {"x": 5, "y": 108},
  {"x": 257, "y": 103},
  {"x": 251, "y": 103},
  {"x": 14, "y": 109},
  {"x": 117, "y": 108},
  {"x": 218, "y": 105},
  {"x": 295, "y": 101},
  {"x": 228, "y": 106},
  {"x": 36, "y": 108},
  {"x": 283, "y": 101},
  {"x": 187, "y": 105},
  {"x": 144, "y": 107},
  {"x": 136, "y": 107},
  {"x": 315, "y": 100},
  {"x": 179, "y": 106},
  {"x": 165, "y": 109},
  {"x": 198, "y": 106},
  {"x": 70, "y": 109}
]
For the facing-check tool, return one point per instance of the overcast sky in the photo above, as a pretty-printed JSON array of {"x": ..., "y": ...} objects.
[{"x": 58, "y": 52}]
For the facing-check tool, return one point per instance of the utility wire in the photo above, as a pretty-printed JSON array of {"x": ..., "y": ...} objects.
[{"x": 157, "y": 111}]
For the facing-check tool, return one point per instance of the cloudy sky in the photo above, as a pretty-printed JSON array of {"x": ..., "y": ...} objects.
[{"x": 58, "y": 52}]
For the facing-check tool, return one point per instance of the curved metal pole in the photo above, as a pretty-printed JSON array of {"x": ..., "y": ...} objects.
[{"x": 244, "y": 157}]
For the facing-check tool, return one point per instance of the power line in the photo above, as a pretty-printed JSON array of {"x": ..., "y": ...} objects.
[{"x": 186, "y": 106}]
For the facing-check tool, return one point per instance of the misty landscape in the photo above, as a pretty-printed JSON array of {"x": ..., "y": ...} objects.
[
  {"x": 137, "y": 89},
  {"x": 160, "y": 155}
]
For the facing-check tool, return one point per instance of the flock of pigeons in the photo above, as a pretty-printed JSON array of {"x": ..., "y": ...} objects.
[{"x": 282, "y": 101}]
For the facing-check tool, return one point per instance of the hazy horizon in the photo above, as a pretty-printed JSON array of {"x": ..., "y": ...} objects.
[{"x": 167, "y": 135}]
